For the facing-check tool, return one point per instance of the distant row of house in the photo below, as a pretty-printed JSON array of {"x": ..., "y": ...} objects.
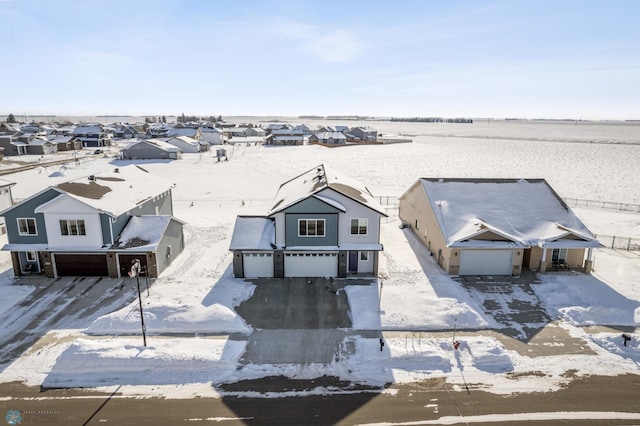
[{"x": 37, "y": 139}]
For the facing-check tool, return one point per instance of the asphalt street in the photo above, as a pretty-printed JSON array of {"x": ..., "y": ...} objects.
[{"x": 593, "y": 400}]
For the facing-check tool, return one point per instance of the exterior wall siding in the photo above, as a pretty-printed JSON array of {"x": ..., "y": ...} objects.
[
  {"x": 26, "y": 211},
  {"x": 331, "y": 230},
  {"x": 414, "y": 206},
  {"x": 173, "y": 238},
  {"x": 145, "y": 151}
]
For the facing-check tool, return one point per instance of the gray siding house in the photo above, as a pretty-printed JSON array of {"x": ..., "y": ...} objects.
[
  {"x": 151, "y": 149},
  {"x": 321, "y": 224},
  {"x": 95, "y": 226}
]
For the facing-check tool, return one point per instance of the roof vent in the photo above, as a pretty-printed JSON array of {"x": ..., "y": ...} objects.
[
  {"x": 116, "y": 170},
  {"x": 92, "y": 178}
]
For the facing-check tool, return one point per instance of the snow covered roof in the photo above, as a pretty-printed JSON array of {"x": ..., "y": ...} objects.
[
  {"x": 117, "y": 190},
  {"x": 5, "y": 183},
  {"x": 156, "y": 142},
  {"x": 184, "y": 139},
  {"x": 253, "y": 233},
  {"x": 142, "y": 233},
  {"x": 183, "y": 131},
  {"x": 330, "y": 135},
  {"x": 318, "y": 179},
  {"x": 525, "y": 211}
]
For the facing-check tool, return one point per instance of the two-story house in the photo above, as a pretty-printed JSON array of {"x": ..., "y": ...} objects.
[
  {"x": 92, "y": 135},
  {"x": 95, "y": 226},
  {"x": 321, "y": 224}
]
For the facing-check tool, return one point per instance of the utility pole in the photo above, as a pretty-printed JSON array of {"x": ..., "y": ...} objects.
[{"x": 135, "y": 271}]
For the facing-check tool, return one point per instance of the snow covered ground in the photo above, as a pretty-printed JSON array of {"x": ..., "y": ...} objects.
[{"x": 193, "y": 330}]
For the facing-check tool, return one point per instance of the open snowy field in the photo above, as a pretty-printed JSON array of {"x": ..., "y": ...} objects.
[{"x": 190, "y": 309}]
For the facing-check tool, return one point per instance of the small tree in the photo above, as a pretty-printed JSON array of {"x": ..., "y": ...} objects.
[
  {"x": 164, "y": 119},
  {"x": 11, "y": 118}
]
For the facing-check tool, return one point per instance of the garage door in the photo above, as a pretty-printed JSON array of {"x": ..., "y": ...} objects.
[
  {"x": 258, "y": 265},
  {"x": 486, "y": 262},
  {"x": 311, "y": 265},
  {"x": 84, "y": 265}
]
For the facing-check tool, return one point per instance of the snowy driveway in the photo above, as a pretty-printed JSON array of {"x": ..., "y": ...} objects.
[
  {"x": 62, "y": 303},
  {"x": 510, "y": 301},
  {"x": 299, "y": 321}
]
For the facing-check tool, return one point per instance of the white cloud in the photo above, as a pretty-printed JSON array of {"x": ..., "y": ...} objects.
[
  {"x": 326, "y": 45},
  {"x": 335, "y": 46}
]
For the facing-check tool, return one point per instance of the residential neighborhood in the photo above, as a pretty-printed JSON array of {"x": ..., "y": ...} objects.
[
  {"x": 47, "y": 138},
  {"x": 302, "y": 264}
]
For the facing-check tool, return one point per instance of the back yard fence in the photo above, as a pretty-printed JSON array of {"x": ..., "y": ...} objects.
[
  {"x": 576, "y": 202},
  {"x": 620, "y": 243},
  {"x": 390, "y": 203}
]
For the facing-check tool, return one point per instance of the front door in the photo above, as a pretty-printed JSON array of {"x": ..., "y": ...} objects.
[{"x": 353, "y": 262}]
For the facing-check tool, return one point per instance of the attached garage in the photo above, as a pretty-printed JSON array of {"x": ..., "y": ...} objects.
[
  {"x": 94, "y": 265},
  {"x": 486, "y": 262},
  {"x": 311, "y": 264},
  {"x": 258, "y": 265}
]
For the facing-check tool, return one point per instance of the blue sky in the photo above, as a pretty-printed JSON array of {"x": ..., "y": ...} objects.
[{"x": 529, "y": 59}]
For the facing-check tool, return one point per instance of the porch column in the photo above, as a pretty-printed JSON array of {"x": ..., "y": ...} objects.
[
  {"x": 543, "y": 261},
  {"x": 588, "y": 264}
]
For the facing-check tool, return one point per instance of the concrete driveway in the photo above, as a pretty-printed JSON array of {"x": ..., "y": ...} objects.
[
  {"x": 60, "y": 303},
  {"x": 510, "y": 301},
  {"x": 299, "y": 321}
]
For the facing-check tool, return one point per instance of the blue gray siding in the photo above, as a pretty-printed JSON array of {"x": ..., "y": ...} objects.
[
  {"x": 312, "y": 205},
  {"x": 331, "y": 230},
  {"x": 26, "y": 210},
  {"x": 174, "y": 238}
]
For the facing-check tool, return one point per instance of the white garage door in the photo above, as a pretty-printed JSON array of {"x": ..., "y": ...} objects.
[
  {"x": 258, "y": 265},
  {"x": 311, "y": 265},
  {"x": 486, "y": 262}
]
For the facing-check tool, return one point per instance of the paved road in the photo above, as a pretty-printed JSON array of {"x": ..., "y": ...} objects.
[{"x": 594, "y": 401}]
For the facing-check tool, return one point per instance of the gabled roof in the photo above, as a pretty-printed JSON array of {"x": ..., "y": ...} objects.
[
  {"x": 156, "y": 143},
  {"x": 330, "y": 135},
  {"x": 184, "y": 139},
  {"x": 113, "y": 192},
  {"x": 526, "y": 212},
  {"x": 317, "y": 179}
]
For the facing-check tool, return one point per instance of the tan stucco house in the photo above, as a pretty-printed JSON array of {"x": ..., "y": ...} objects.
[{"x": 496, "y": 226}]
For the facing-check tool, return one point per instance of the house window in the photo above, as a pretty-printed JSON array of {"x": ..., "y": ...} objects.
[
  {"x": 72, "y": 227},
  {"x": 559, "y": 255},
  {"x": 27, "y": 226},
  {"x": 311, "y": 228},
  {"x": 31, "y": 256},
  {"x": 359, "y": 226},
  {"x": 364, "y": 255}
]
